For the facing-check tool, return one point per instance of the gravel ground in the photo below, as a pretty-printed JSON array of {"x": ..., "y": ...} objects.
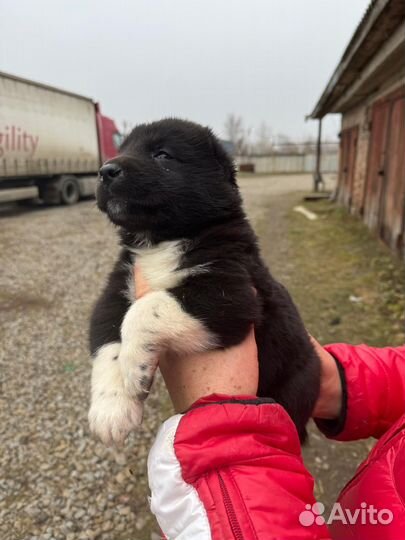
[{"x": 56, "y": 481}]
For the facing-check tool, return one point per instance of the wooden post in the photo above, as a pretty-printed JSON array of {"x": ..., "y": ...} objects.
[{"x": 317, "y": 174}]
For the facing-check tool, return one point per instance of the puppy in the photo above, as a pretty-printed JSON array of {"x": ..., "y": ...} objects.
[{"x": 173, "y": 195}]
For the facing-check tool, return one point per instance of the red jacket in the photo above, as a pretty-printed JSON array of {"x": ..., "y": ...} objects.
[{"x": 231, "y": 467}]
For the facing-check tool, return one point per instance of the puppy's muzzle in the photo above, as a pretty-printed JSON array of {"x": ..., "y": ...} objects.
[{"x": 109, "y": 173}]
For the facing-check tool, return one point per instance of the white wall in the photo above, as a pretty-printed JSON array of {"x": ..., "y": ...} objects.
[{"x": 290, "y": 163}]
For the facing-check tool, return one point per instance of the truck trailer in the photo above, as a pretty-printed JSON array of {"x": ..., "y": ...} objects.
[{"x": 52, "y": 142}]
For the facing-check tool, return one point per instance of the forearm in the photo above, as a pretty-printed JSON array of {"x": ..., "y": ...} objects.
[
  {"x": 233, "y": 371},
  {"x": 329, "y": 404},
  {"x": 373, "y": 395}
]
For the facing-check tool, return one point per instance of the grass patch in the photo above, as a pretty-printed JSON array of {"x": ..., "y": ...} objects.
[
  {"x": 323, "y": 263},
  {"x": 337, "y": 258}
]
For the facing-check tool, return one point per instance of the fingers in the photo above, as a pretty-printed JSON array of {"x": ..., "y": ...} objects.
[{"x": 141, "y": 285}]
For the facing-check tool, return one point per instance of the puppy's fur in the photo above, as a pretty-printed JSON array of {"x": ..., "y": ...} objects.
[{"x": 174, "y": 197}]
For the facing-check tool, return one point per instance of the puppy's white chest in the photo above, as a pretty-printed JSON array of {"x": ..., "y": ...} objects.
[{"x": 160, "y": 266}]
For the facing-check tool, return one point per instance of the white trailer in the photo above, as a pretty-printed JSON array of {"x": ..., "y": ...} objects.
[{"x": 52, "y": 142}]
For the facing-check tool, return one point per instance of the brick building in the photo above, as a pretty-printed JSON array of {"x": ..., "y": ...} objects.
[{"x": 368, "y": 89}]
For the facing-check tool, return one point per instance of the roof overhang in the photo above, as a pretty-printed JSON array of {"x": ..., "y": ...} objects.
[{"x": 375, "y": 52}]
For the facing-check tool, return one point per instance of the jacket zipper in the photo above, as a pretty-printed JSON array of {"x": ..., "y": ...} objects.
[{"x": 230, "y": 510}]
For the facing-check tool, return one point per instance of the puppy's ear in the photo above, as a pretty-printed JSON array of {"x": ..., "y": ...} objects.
[{"x": 223, "y": 158}]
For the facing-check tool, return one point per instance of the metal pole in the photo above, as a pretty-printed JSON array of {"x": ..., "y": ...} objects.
[{"x": 318, "y": 175}]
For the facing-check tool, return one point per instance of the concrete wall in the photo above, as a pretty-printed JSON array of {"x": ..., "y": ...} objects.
[{"x": 290, "y": 163}]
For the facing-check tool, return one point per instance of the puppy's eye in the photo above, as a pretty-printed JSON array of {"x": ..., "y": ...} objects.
[{"x": 162, "y": 154}]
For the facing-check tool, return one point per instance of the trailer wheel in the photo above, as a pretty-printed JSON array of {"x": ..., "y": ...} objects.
[{"x": 69, "y": 190}]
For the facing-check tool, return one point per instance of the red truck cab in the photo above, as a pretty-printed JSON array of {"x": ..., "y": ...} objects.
[{"x": 109, "y": 137}]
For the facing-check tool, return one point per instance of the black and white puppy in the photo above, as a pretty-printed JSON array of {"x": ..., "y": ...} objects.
[{"x": 173, "y": 194}]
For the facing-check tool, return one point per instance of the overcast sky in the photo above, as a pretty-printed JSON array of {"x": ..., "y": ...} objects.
[{"x": 266, "y": 60}]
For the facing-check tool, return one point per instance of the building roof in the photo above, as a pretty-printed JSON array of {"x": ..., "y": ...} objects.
[{"x": 382, "y": 21}]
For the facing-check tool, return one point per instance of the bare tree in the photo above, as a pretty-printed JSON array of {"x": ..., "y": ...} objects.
[
  {"x": 308, "y": 145},
  {"x": 235, "y": 133},
  {"x": 284, "y": 145},
  {"x": 126, "y": 127},
  {"x": 264, "y": 142}
]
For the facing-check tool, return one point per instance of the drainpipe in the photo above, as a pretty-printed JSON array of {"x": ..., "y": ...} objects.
[{"x": 318, "y": 180}]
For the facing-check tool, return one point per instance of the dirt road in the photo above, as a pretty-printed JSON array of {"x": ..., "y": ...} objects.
[{"x": 56, "y": 481}]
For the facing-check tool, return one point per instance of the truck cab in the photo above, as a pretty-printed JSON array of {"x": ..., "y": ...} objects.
[{"x": 109, "y": 137}]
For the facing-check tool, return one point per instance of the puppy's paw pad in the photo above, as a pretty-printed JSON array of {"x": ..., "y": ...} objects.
[{"x": 113, "y": 416}]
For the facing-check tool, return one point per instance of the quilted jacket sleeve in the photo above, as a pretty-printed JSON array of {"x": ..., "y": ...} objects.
[
  {"x": 373, "y": 391},
  {"x": 231, "y": 468}
]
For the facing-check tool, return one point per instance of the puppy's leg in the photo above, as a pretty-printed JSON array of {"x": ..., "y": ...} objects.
[
  {"x": 156, "y": 323},
  {"x": 113, "y": 413}
]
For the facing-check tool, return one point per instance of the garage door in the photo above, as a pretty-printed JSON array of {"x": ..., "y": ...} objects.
[{"x": 384, "y": 205}]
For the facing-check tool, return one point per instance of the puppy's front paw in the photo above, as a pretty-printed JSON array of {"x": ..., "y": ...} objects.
[
  {"x": 113, "y": 415},
  {"x": 137, "y": 377}
]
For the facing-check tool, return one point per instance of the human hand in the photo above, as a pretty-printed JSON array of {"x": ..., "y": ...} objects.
[
  {"x": 329, "y": 403},
  {"x": 235, "y": 371}
]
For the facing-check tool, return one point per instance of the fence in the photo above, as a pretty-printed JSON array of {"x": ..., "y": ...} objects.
[{"x": 288, "y": 163}]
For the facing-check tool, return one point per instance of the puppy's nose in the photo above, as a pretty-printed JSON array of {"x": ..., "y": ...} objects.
[{"x": 109, "y": 172}]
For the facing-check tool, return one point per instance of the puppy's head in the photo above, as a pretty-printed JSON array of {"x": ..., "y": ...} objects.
[{"x": 171, "y": 179}]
